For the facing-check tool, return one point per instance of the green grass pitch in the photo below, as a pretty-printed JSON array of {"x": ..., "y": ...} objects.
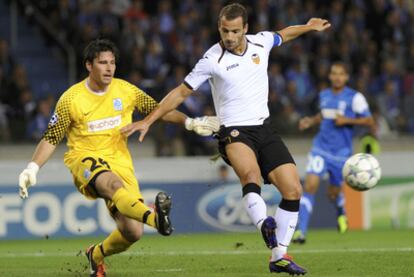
[{"x": 327, "y": 253}]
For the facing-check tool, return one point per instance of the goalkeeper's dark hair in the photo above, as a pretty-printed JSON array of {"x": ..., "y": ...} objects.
[
  {"x": 233, "y": 11},
  {"x": 97, "y": 46}
]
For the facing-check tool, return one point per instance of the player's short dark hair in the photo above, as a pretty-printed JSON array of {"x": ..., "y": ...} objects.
[
  {"x": 233, "y": 11},
  {"x": 97, "y": 46},
  {"x": 344, "y": 65}
]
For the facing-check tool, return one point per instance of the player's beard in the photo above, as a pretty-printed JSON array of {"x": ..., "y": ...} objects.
[
  {"x": 233, "y": 45},
  {"x": 230, "y": 45}
]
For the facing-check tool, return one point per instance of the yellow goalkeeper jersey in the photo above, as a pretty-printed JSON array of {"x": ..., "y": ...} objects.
[{"x": 91, "y": 121}]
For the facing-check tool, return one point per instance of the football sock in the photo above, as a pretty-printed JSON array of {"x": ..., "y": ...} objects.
[
  {"x": 306, "y": 207},
  {"x": 114, "y": 243},
  {"x": 254, "y": 204},
  {"x": 340, "y": 203},
  {"x": 286, "y": 219},
  {"x": 129, "y": 205}
]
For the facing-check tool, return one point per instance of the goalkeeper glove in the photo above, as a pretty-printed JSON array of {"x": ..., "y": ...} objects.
[
  {"x": 27, "y": 179},
  {"x": 203, "y": 126}
]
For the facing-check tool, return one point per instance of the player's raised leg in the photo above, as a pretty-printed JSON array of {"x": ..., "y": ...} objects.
[
  {"x": 128, "y": 232},
  {"x": 109, "y": 186},
  {"x": 286, "y": 179},
  {"x": 306, "y": 207},
  {"x": 244, "y": 163}
]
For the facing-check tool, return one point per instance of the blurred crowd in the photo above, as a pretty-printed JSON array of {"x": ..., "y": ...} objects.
[
  {"x": 23, "y": 117},
  {"x": 160, "y": 41}
]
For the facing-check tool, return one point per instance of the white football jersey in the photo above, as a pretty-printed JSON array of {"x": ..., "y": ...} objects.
[{"x": 239, "y": 83}]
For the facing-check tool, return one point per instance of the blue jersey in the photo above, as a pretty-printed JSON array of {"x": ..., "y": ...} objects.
[{"x": 333, "y": 141}]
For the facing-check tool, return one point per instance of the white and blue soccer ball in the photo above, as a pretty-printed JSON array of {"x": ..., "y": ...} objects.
[{"x": 361, "y": 171}]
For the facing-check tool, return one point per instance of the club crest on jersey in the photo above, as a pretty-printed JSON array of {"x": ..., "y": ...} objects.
[
  {"x": 117, "y": 104},
  {"x": 87, "y": 173},
  {"x": 255, "y": 58},
  {"x": 234, "y": 133},
  {"x": 54, "y": 119}
]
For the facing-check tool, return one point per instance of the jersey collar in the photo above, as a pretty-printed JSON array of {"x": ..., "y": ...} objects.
[
  {"x": 100, "y": 93},
  {"x": 239, "y": 55}
]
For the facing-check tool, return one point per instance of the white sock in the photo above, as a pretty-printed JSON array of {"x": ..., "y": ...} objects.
[
  {"x": 255, "y": 207},
  {"x": 286, "y": 223}
]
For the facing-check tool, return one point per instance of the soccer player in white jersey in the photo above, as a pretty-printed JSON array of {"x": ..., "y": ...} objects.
[{"x": 236, "y": 68}]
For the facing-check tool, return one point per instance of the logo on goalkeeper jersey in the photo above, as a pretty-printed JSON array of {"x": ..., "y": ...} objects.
[
  {"x": 104, "y": 124},
  {"x": 86, "y": 173},
  {"x": 117, "y": 104}
]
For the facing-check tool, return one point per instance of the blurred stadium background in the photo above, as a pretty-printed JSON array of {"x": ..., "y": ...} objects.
[{"x": 41, "y": 45}]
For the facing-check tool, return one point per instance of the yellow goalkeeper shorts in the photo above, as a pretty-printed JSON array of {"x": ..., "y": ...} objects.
[{"x": 85, "y": 169}]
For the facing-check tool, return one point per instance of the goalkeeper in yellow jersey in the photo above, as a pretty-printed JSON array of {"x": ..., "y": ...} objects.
[{"x": 90, "y": 114}]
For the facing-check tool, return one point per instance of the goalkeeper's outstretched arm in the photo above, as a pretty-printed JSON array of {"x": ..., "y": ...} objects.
[
  {"x": 43, "y": 152},
  {"x": 29, "y": 175}
]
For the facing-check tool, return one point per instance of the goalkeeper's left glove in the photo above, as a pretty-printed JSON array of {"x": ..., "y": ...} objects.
[
  {"x": 203, "y": 126},
  {"x": 27, "y": 179}
]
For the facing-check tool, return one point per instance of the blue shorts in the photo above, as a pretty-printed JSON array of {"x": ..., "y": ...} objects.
[{"x": 319, "y": 164}]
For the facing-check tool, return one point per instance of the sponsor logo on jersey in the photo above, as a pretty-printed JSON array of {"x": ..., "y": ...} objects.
[
  {"x": 223, "y": 207},
  {"x": 256, "y": 58},
  {"x": 232, "y": 66},
  {"x": 117, "y": 104},
  {"x": 331, "y": 113},
  {"x": 104, "y": 124},
  {"x": 234, "y": 133},
  {"x": 54, "y": 119}
]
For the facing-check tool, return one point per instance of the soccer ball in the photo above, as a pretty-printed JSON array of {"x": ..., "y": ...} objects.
[{"x": 361, "y": 171}]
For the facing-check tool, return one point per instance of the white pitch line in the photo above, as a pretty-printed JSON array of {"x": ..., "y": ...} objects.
[
  {"x": 208, "y": 253},
  {"x": 169, "y": 270}
]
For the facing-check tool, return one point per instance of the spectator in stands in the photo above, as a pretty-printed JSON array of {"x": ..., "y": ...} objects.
[
  {"x": 300, "y": 87},
  {"x": 18, "y": 83},
  {"x": 6, "y": 59},
  {"x": 38, "y": 124},
  {"x": 408, "y": 108},
  {"x": 136, "y": 11},
  {"x": 277, "y": 81},
  {"x": 110, "y": 23},
  {"x": 389, "y": 73},
  {"x": 4, "y": 86},
  {"x": 154, "y": 60},
  {"x": 4, "y": 121},
  {"x": 389, "y": 104},
  {"x": 165, "y": 17}
]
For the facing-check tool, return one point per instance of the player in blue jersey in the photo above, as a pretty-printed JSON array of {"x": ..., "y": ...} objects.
[{"x": 341, "y": 108}]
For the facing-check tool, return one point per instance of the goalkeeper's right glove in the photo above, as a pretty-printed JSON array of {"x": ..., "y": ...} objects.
[
  {"x": 203, "y": 126},
  {"x": 27, "y": 179}
]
